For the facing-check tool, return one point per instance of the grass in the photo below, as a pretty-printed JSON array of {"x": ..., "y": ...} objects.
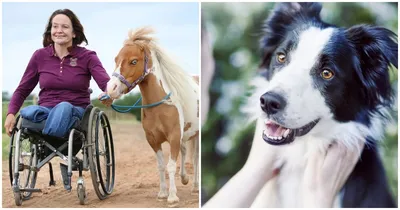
[{"x": 5, "y": 146}]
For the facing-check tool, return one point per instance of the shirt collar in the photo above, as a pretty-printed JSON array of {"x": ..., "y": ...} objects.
[{"x": 52, "y": 51}]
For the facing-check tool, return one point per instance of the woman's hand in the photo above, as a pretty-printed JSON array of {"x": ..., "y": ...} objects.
[
  {"x": 106, "y": 102},
  {"x": 9, "y": 123},
  {"x": 326, "y": 173}
]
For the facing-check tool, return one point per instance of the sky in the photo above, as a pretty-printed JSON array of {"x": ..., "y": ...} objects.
[{"x": 106, "y": 26}]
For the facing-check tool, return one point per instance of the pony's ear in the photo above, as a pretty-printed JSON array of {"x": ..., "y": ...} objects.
[
  {"x": 376, "y": 48},
  {"x": 280, "y": 23}
]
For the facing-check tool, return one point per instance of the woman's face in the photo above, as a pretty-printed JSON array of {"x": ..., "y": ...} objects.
[{"x": 61, "y": 30}]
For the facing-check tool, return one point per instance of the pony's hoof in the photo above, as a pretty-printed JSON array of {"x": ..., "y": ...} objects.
[
  {"x": 162, "y": 196},
  {"x": 173, "y": 205},
  {"x": 172, "y": 200},
  {"x": 185, "y": 180}
]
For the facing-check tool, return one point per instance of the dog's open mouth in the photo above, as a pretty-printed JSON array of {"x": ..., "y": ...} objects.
[{"x": 276, "y": 134}]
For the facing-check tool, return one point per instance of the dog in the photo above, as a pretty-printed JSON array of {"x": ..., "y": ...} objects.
[{"x": 320, "y": 83}]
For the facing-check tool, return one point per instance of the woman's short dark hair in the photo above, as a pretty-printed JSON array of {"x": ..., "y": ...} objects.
[{"x": 76, "y": 25}]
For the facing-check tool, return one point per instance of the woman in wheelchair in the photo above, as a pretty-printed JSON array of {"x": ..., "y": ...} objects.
[{"x": 63, "y": 70}]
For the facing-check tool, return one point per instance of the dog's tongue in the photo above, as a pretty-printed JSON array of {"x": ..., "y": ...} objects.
[{"x": 274, "y": 129}]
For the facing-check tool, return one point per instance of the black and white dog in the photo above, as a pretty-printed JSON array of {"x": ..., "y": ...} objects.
[{"x": 322, "y": 83}]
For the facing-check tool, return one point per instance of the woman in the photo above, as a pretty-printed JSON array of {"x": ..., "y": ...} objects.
[{"x": 63, "y": 70}]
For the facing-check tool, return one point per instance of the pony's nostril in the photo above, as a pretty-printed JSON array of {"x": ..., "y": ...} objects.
[{"x": 115, "y": 87}]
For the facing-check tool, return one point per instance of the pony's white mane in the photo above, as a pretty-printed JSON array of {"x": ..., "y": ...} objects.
[
  {"x": 173, "y": 78},
  {"x": 183, "y": 87}
]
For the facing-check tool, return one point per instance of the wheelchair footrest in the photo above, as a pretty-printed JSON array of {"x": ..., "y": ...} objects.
[
  {"x": 65, "y": 178},
  {"x": 30, "y": 190}
]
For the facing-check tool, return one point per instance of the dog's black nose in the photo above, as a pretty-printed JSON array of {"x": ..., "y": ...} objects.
[{"x": 272, "y": 103}]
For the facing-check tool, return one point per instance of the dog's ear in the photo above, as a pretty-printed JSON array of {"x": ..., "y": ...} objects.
[
  {"x": 280, "y": 22},
  {"x": 376, "y": 48},
  {"x": 306, "y": 9}
]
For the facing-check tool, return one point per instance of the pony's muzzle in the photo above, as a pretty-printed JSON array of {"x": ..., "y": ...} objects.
[{"x": 113, "y": 88}]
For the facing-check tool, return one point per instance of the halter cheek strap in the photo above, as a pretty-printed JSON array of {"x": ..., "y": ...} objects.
[{"x": 138, "y": 80}]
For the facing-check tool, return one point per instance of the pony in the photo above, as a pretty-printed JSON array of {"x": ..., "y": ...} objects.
[{"x": 141, "y": 62}]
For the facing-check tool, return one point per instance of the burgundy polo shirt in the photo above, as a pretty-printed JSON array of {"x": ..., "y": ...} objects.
[{"x": 66, "y": 79}]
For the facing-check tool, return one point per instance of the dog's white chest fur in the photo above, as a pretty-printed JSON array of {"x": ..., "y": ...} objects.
[
  {"x": 291, "y": 175},
  {"x": 286, "y": 190}
]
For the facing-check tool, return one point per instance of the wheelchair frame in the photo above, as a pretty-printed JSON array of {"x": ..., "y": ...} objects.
[{"x": 88, "y": 133}]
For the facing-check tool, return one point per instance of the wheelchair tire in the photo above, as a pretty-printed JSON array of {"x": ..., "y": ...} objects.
[
  {"x": 28, "y": 177},
  {"x": 106, "y": 179},
  {"x": 103, "y": 185}
]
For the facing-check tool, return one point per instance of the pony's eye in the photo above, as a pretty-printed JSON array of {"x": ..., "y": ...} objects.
[
  {"x": 281, "y": 58},
  {"x": 134, "y": 62},
  {"x": 327, "y": 74}
]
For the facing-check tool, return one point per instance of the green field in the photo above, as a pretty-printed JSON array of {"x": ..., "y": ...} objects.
[
  {"x": 5, "y": 138},
  {"x": 5, "y": 146}
]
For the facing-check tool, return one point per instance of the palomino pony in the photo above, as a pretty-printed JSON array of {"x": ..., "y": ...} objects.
[{"x": 141, "y": 62}]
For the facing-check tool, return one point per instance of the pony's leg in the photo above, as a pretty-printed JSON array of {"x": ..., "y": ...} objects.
[
  {"x": 171, "y": 167},
  {"x": 163, "y": 194},
  {"x": 195, "y": 188},
  {"x": 184, "y": 177}
]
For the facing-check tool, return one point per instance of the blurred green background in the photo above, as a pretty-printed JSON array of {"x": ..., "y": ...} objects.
[{"x": 235, "y": 30}]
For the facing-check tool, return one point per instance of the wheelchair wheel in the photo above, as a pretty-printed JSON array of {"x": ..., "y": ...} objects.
[
  {"x": 27, "y": 159},
  {"x": 101, "y": 153}
]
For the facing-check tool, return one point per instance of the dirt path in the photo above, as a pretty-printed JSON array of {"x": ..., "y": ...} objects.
[{"x": 137, "y": 180}]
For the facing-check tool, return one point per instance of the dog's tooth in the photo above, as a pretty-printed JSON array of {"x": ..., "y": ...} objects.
[
  {"x": 286, "y": 133},
  {"x": 280, "y": 137}
]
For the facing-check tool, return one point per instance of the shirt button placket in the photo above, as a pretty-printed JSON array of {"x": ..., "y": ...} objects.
[{"x": 61, "y": 67}]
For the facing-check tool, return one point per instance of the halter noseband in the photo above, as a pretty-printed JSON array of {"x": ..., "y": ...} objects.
[{"x": 138, "y": 80}]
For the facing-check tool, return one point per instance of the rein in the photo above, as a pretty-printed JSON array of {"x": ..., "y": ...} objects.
[{"x": 125, "y": 109}]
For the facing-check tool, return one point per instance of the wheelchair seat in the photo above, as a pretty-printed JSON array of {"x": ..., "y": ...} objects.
[
  {"x": 39, "y": 126},
  {"x": 34, "y": 130},
  {"x": 36, "y": 127}
]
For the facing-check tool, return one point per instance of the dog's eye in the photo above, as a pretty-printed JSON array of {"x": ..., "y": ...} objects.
[
  {"x": 327, "y": 74},
  {"x": 281, "y": 58},
  {"x": 134, "y": 62}
]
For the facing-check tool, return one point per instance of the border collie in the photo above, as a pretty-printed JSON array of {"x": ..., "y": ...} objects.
[{"x": 321, "y": 83}]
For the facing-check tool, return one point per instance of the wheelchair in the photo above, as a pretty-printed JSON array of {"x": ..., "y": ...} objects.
[{"x": 30, "y": 150}]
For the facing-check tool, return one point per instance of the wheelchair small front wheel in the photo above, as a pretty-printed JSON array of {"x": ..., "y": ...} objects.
[
  {"x": 18, "y": 198},
  {"x": 81, "y": 194}
]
